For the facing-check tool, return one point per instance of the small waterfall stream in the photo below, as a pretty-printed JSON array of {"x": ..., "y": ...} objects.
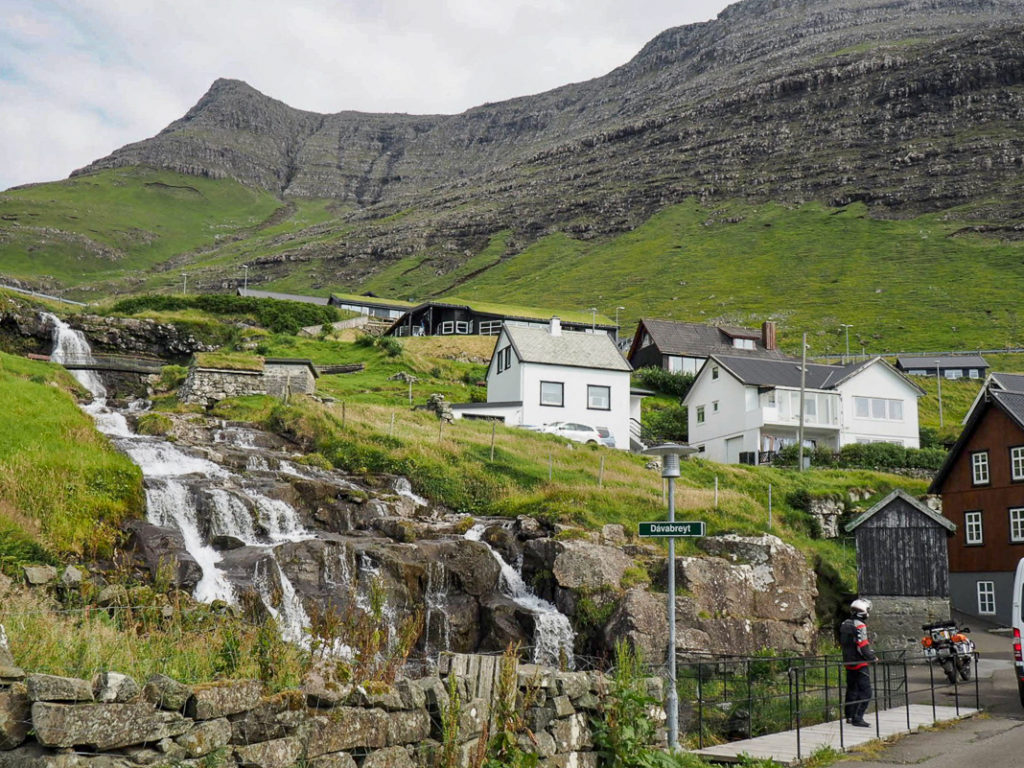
[
  {"x": 553, "y": 635},
  {"x": 175, "y": 483}
]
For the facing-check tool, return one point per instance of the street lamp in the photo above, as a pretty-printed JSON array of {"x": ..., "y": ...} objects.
[
  {"x": 670, "y": 453},
  {"x": 938, "y": 381},
  {"x": 847, "y": 326},
  {"x": 245, "y": 287}
]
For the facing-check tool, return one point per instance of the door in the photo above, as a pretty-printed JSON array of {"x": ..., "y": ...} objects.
[{"x": 733, "y": 446}]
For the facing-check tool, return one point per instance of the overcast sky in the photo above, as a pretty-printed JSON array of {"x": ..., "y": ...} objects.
[{"x": 79, "y": 78}]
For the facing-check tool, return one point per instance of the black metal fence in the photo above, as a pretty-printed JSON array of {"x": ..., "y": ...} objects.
[{"x": 730, "y": 698}]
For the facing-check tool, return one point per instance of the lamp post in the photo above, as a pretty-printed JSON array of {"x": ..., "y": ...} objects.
[
  {"x": 938, "y": 382},
  {"x": 245, "y": 286},
  {"x": 670, "y": 453},
  {"x": 847, "y": 327}
]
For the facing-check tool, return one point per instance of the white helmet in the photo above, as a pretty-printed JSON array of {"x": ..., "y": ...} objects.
[{"x": 860, "y": 606}]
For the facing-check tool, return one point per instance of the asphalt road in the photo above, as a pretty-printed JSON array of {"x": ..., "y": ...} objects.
[{"x": 994, "y": 739}]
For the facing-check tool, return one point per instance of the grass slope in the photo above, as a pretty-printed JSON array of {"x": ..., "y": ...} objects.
[{"x": 64, "y": 490}]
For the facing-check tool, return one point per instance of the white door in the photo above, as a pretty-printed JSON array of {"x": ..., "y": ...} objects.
[{"x": 733, "y": 446}]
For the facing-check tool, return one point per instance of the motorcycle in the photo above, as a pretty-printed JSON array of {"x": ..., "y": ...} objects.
[{"x": 948, "y": 646}]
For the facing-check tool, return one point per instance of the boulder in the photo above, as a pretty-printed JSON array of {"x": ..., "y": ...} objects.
[
  {"x": 222, "y": 698},
  {"x": 39, "y": 575},
  {"x": 166, "y": 693},
  {"x": 71, "y": 578},
  {"x": 9, "y": 671},
  {"x": 113, "y": 686},
  {"x": 103, "y": 726},
  {"x": 278, "y": 753},
  {"x": 160, "y": 548},
  {"x": 54, "y": 688},
  {"x": 205, "y": 737},
  {"x": 640, "y": 619},
  {"x": 15, "y": 711},
  {"x": 582, "y": 565},
  {"x": 613, "y": 534},
  {"x": 112, "y": 595},
  {"x": 392, "y": 757}
]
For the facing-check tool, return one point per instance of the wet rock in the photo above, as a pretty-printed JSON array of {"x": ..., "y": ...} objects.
[
  {"x": 103, "y": 726},
  {"x": 166, "y": 693},
  {"x": 15, "y": 708},
  {"x": 223, "y": 541},
  {"x": 113, "y": 686},
  {"x": 227, "y": 697},
  {"x": 161, "y": 550},
  {"x": 54, "y": 688}
]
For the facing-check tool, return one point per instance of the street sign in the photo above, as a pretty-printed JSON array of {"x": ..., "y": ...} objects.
[{"x": 668, "y": 530}]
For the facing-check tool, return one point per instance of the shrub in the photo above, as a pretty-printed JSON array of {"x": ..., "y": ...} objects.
[
  {"x": 625, "y": 730},
  {"x": 391, "y": 346},
  {"x": 926, "y": 458},
  {"x": 154, "y": 424},
  {"x": 666, "y": 382},
  {"x": 172, "y": 376},
  {"x": 665, "y": 424}
]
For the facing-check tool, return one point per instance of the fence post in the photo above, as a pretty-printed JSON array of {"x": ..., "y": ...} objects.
[
  {"x": 906, "y": 689},
  {"x": 700, "y": 705},
  {"x": 493, "y": 427},
  {"x": 931, "y": 678},
  {"x": 769, "y": 506},
  {"x": 440, "y": 426},
  {"x": 750, "y": 703},
  {"x": 342, "y": 414},
  {"x": 551, "y": 467},
  {"x": 716, "y": 491},
  {"x": 600, "y": 474},
  {"x": 878, "y": 724},
  {"x": 391, "y": 429}
]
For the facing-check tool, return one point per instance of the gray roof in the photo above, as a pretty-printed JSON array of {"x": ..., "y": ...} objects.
[
  {"x": 701, "y": 340},
  {"x": 924, "y": 509},
  {"x": 763, "y": 372},
  {"x": 249, "y": 292},
  {"x": 1012, "y": 382},
  {"x": 948, "y": 361},
  {"x": 574, "y": 348}
]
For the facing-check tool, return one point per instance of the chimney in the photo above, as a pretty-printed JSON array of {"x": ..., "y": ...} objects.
[
  {"x": 556, "y": 326},
  {"x": 768, "y": 335}
]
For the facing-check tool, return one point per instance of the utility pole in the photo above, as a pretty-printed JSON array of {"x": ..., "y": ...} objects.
[
  {"x": 803, "y": 386},
  {"x": 938, "y": 381},
  {"x": 245, "y": 287},
  {"x": 847, "y": 326}
]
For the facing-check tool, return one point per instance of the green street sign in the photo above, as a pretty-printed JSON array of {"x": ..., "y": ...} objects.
[{"x": 668, "y": 530}]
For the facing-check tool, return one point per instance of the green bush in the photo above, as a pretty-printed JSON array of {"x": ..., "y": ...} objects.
[
  {"x": 154, "y": 424},
  {"x": 278, "y": 316},
  {"x": 867, "y": 456},
  {"x": 666, "y": 382},
  {"x": 172, "y": 376},
  {"x": 665, "y": 424}
]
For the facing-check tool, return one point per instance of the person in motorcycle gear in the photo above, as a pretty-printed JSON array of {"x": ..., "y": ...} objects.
[{"x": 857, "y": 655}]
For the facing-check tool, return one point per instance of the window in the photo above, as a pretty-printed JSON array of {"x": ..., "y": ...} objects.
[
  {"x": 954, "y": 374},
  {"x": 1017, "y": 525},
  {"x": 714, "y": 372},
  {"x": 700, "y": 414},
  {"x": 973, "y": 373},
  {"x": 972, "y": 528},
  {"x": 986, "y": 598},
  {"x": 490, "y": 327},
  {"x": 714, "y": 406},
  {"x": 502, "y": 358},
  {"x": 1017, "y": 462},
  {"x": 810, "y": 408},
  {"x": 979, "y": 468},
  {"x": 675, "y": 364},
  {"x": 463, "y": 326},
  {"x": 599, "y": 398},
  {"x": 878, "y": 408},
  {"x": 447, "y": 327},
  {"x": 743, "y": 343},
  {"x": 917, "y": 372},
  {"x": 551, "y": 393}
]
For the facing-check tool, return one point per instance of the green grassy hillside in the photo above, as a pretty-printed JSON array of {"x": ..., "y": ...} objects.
[{"x": 935, "y": 282}]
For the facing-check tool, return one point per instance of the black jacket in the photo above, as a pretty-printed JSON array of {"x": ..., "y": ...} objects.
[{"x": 853, "y": 639}]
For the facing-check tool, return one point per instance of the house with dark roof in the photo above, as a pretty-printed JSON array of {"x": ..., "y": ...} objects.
[
  {"x": 464, "y": 317},
  {"x": 372, "y": 305},
  {"x": 253, "y": 294},
  {"x": 982, "y": 489},
  {"x": 539, "y": 376},
  {"x": 683, "y": 347},
  {"x": 947, "y": 366},
  {"x": 748, "y": 408}
]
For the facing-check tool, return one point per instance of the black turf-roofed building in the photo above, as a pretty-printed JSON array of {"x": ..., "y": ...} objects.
[
  {"x": 683, "y": 347},
  {"x": 948, "y": 366}
]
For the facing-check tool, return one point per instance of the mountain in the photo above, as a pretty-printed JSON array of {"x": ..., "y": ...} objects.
[{"x": 910, "y": 107}]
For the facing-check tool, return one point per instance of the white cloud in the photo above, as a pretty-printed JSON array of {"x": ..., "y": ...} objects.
[{"x": 79, "y": 78}]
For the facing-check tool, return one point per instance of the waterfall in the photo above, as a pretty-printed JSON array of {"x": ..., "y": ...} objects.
[
  {"x": 436, "y": 617},
  {"x": 291, "y": 617},
  {"x": 553, "y": 636}
]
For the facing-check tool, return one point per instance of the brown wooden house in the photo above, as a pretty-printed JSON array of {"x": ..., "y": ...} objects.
[
  {"x": 982, "y": 488},
  {"x": 683, "y": 347}
]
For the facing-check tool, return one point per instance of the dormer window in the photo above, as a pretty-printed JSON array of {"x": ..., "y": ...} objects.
[{"x": 743, "y": 343}]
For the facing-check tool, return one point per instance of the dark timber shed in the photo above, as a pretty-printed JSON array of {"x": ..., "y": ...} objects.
[{"x": 903, "y": 566}]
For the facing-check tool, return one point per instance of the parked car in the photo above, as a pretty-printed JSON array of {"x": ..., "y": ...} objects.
[
  {"x": 1017, "y": 622},
  {"x": 581, "y": 433}
]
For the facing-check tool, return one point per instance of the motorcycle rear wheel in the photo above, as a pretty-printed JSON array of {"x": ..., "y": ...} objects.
[
  {"x": 965, "y": 669},
  {"x": 950, "y": 670}
]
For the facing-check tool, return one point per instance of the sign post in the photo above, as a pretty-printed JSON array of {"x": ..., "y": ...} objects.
[{"x": 670, "y": 453}]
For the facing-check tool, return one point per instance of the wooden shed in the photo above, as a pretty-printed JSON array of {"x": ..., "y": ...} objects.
[{"x": 903, "y": 567}]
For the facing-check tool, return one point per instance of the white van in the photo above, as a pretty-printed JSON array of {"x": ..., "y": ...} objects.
[{"x": 1017, "y": 620}]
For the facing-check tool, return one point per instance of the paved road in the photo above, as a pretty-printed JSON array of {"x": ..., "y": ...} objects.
[{"x": 992, "y": 740}]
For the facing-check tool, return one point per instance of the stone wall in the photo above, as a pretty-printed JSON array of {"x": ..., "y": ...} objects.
[
  {"x": 112, "y": 722},
  {"x": 282, "y": 380},
  {"x": 206, "y": 386},
  {"x": 896, "y": 622}
]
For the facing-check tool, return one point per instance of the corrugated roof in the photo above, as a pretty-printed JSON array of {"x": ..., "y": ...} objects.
[
  {"x": 949, "y": 361},
  {"x": 701, "y": 340},
  {"x": 574, "y": 348},
  {"x": 249, "y": 292}
]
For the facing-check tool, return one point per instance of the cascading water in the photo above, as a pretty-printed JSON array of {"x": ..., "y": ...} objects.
[
  {"x": 174, "y": 482},
  {"x": 437, "y": 629},
  {"x": 553, "y": 636}
]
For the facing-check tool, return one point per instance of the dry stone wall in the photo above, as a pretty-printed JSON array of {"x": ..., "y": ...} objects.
[{"x": 112, "y": 722}]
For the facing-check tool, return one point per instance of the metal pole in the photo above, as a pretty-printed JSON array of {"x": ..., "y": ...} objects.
[
  {"x": 184, "y": 283},
  {"x": 391, "y": 429},
  {"x": 803, "y": 384},
  {"x": 847, "y": 327},
  {"x": 673, "y": 694},
  {"x": 938, "y": 380},
  {"x": 600, "y": 474},
  {"x": 769, "y": 506},
  {"x": 493, "y": 427},
  {"x": 716, "y": 491},
  {"x": 245, "y": 287}
]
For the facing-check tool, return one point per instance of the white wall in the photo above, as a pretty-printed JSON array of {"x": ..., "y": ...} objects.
[
  {"x": 574, "y": 408},
  {"x": 731, "y": 420},
  {"x": 879, "y": 381},
  {"x": 507, "y": 385}
]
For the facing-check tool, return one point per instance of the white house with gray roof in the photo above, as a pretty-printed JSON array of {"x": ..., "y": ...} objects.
[
  {"x": 541, "y": 375},
  {"x": 747, "y": 409}
]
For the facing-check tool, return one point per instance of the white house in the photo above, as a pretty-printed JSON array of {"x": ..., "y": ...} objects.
[
  {"x": 742, "y": 405},
  {"x": 541, "y": 375}
]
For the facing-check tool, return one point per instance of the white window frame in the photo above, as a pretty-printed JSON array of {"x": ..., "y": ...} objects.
[
  {"x": 490, "y": 327},
  {"x": 463, "y": 327},
  {"x": 986, "y": 598},
  {"x": 1017, "y": 462},
  {"x": 974, "y": 531},
  {"x": 1016, "y": 524},
  {"x": 447, "y": 328},
  {"x": 980, "y": 471}
]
